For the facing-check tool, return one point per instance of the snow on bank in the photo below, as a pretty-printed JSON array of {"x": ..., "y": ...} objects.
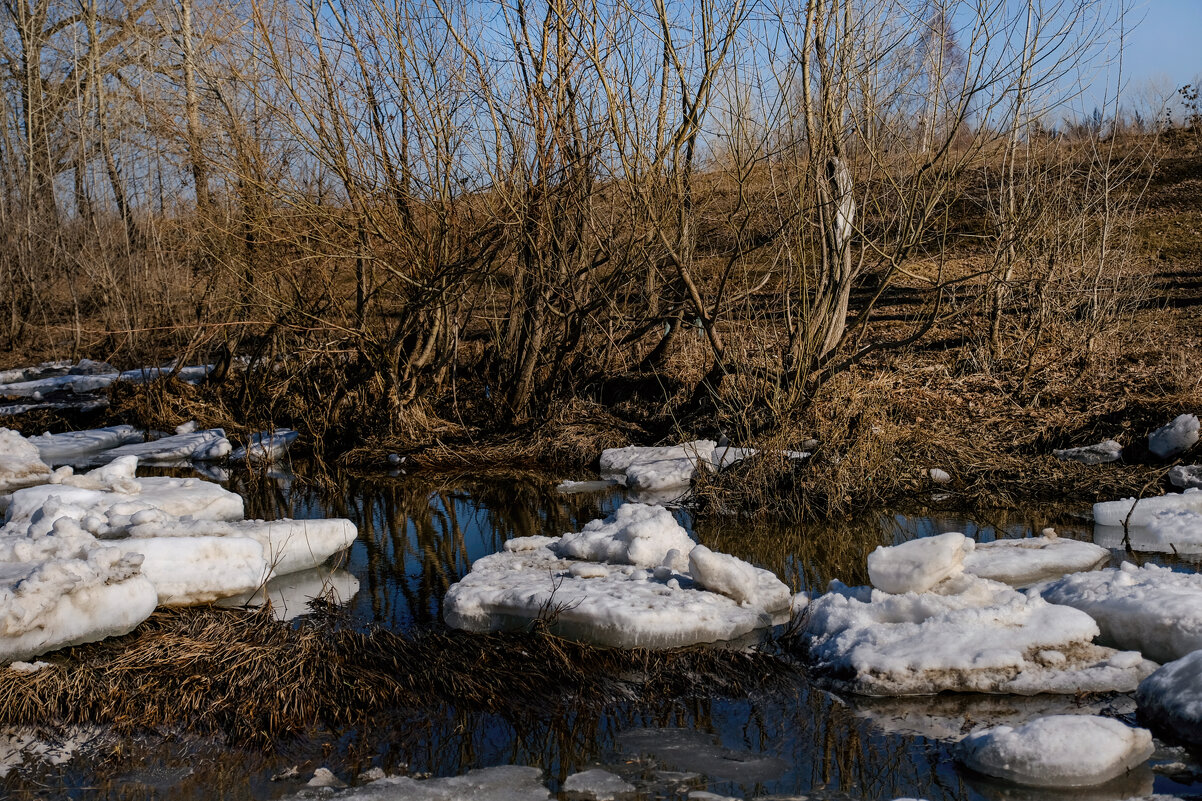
[
  {"x": 1171, "y": 698},
  {"x": 1174, "y": 438},
  {"x": 1058, "y": 751},
  {"x": 622, "y": 582},
  {"x": 79, "y": 446},
  {"x": 88, "y": 377},
  {"x": 967, "y": 634},
  {"x": 1101, "y": 453},
  {"x": 1150, "y": 609},
  {"x": 662, "y": 468},
  {"x": 265, "y": 448}
]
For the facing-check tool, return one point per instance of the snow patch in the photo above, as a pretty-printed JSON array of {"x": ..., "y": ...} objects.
[
  {"x": 266, "y": 448},
  {"x": 1133, "y": 512},
  {"x": 1174, "y": 438},
  {"x": 597, "y": 784}
]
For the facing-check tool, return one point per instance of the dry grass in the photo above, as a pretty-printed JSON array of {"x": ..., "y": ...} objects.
[{"x": 244, "y": 675}]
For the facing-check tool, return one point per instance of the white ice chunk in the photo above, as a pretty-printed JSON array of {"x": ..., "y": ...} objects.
[
  {"x": 1021, "y": 563},
  {"x": 1151, "y": 609},
  {"x": 734, "y": 578},
  {"x": 1058, "y": 751},
  {"x": 1115, "y": 513},
  {"x": 658, "y": 468},
  {"x": 597, "y": 784},
  {"x": 265, "y": 448},
  {"x": 1186, "y": 476},
  {"x": 201, "y": 446},
  {"x": 1171, "y": 698},
  {"x": 1101, "y": 453},
  {"x": 61, "y": 588},
  {"x": 627, "y": 608},
  {"x": 504, "y": 783},
  {"x": 635, "y": 534},
  {"x": 20, "y": 462},
  {"x": 969, "y": 635},
  {"x": 918, "y": 565},
  {"x": 1175, "y": 437},
  {"x": 75, "y": 446}
]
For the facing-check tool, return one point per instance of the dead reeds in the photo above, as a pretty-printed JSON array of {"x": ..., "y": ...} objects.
[{"x": 250, "y": 678}]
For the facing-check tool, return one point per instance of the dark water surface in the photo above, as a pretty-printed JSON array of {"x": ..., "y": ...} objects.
[{"x": 417, "y": 536}]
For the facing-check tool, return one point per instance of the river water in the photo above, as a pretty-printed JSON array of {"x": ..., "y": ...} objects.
[{"x": 417, "y": 536}]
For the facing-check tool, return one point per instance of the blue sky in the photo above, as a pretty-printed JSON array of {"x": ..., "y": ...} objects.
[{"x": 1166, "y": 45}]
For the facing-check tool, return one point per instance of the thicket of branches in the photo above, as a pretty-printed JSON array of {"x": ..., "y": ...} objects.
[{"x": 505, "y": 200}]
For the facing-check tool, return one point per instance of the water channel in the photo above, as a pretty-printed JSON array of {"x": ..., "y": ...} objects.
[{"x": 418, "y": 535}]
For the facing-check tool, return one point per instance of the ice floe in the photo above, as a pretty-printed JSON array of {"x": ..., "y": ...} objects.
[
  {"x": 1171, "y": 698},
  {"x": 503, "y": 783},
  {"x": 597, "y": 784},
  {"x": 658, "y": 468},
  {"x": 1058, "y": 751},
  {"x": 950, "y": 717},
  {"x": 1175, "y": 437},
  {"x": 60, "y": 587},
  {"x": 266, "y": 448},
  {"x": 20, "y": 462},
  {"x": 644, "y": 596},
  {"x": 90, "y": 556},
  {"x": 1173, "y": 531},
  {"x": 1151, "y": 609},
  {"x": 1101, "y": 453},
  {"x": 1023, "y": 562},
  {"x": 967, "y": 634},
  {"x": 109, "y": 499},
  {"x": 1141, "y": 512}
]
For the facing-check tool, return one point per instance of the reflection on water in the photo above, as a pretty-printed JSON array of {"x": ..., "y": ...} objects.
[{"x": 418, "y": 536}]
